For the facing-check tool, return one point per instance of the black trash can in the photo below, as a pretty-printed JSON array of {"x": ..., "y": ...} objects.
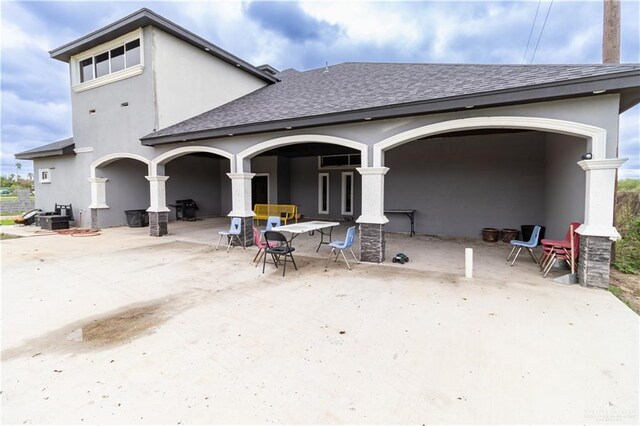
[
  {"x": 137, "y": 218},
  {"x": 527, "y": 230}
]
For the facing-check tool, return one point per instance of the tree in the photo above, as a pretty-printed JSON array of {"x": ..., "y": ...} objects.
[{"x": 18, "y": 168}]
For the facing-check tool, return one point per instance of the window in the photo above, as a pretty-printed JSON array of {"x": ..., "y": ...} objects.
[
  {"x": 341, "y": 160},
  {"x": 347, "y": 193},
  {"x": 116, "y": 59},
  {"x": 323, "y": 193},
  {"x": 45, "y": 175}
]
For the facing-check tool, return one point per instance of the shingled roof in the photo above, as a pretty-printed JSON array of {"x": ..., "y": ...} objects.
[
  {"x": 63, "y": 147},
  {"x": 354, "y": 91}
]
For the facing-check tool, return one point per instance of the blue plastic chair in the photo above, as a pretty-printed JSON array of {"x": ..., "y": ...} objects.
[
  {"x": 273, "y": 222},
  {"x": 529, "y": 245},
  {"x": 338, "y": 247},
  {"x": 234, "y": 232}
]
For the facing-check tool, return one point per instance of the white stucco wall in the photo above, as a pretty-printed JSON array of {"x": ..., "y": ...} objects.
[{"x": 189, "y": 81}]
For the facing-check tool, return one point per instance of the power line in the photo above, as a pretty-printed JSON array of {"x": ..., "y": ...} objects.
[
  {"x": 541, "y": 31},
  {"x": 533, "y": 24}
]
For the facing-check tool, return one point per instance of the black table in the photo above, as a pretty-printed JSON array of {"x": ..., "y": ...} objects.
[{"x": 409, "y": 213}]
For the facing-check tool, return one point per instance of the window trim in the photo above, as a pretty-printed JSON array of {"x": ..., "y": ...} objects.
[
  {"x": 343, "y": 195},
  {"x": 134, "y": 70},
  {"x": 320, "y": 180},
  {"x": 41, "y": 172}
]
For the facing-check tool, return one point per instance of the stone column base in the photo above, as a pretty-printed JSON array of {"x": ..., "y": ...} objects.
[
  {"x": 246, "y": 235},
  {"x": 158, "y": 223},
  {"x": 372, "y": 245},
  {"x": 595, "y": 258},
  {"x": 94, "y": 219}
]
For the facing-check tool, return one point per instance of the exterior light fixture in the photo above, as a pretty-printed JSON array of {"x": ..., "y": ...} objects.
[
  {"x": 587, "y": 156},
  {"x": 230, "y": 134},
  {"x": 469, "y": 106},
  {"x": 367, "y": 118},
  {"x": 206, "y": 49},
  {"x": 288, "y": 128},
  {"x": 597, "y": 92}
]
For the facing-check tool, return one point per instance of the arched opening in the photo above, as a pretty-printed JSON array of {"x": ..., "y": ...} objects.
[
  {"x": 316, "y": 173},
  {"x": 126, "y": 188},
  {"x": 460, "y": 182},
  {"x": 196, "y": 173}
]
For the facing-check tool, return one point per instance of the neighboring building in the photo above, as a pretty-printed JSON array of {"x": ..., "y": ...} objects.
[{"x": 161, "y": 114}]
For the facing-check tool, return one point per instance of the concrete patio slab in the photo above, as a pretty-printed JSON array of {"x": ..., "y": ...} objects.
[{"x": 127, "y": 328}]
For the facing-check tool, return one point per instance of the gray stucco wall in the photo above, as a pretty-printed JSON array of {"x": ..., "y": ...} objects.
[
  {"x": 197, "y": 178},
  {"x": 268, "y": 165},
  {"x": 68, "y": 185},
  {"x": 284, "y": 180},
  {"x": 127, "y": 189},
  {"x": 460, "y": 185},
  {"x": 114, "y": 128},
  {"x": 564, "y": 183},
  {"x": 190, "y": 81},
  {"x": 304, "y": 189}
]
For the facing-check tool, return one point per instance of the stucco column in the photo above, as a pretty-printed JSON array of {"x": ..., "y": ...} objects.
[
  {"x": 158, "y": 210},
  {"x": 597, "y": 233},
  {"x": 241, "y": 204},
  {"x": 98, "y": 198},
  {"x": 372, "y": 219},
  {"x": 241, "y": 195}
]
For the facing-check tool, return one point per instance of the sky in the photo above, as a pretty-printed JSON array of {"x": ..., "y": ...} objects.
[{"x": 304, "y": 35}]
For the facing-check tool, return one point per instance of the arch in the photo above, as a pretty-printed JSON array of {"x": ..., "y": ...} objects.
[
  {"x": 292, "y": 140},
  {"x": 110, "y": 158},
  {"x": 179, "y": 152},
  {"x": 597, "y": 135}
]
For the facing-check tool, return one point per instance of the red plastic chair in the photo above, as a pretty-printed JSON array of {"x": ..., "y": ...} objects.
[
  {"x": 563, "y": 250},
  {"x": 261, "y": 246},
  {"x": 549, "y": 245}
]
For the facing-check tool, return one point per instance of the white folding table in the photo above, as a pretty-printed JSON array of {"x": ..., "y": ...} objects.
[{"x": 296, "y": 229}]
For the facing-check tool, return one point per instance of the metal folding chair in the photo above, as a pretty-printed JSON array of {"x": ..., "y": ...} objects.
[{"x": 277, "y": 246}]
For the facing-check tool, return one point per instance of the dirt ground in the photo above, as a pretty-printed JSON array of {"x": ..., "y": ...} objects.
[
  {"x": 627, "y": 288},
  {"x": 123, "y": 328}
]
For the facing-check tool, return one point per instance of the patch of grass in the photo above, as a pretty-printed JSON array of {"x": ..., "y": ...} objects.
[
  {"x": 629, "y": 185},
  {"x": 627, "y": 250},
  {"x": 7, "y": 222},
  {"x": 3, "y": 213}
]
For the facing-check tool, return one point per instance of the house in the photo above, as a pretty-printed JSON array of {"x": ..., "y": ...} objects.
[{"x": 160, "y": 114}]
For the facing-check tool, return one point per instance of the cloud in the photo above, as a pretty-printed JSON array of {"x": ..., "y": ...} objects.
[
  {"x": 629, "y": 137},
  {"x": 303, "y": 35},
  {"x": 289, "y": 20}
]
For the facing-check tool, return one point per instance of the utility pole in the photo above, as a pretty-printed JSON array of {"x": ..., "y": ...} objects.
[{"x": 611, "y": 32}]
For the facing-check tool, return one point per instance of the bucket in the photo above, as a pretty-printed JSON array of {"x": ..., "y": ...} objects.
[
  {"x": 509, "y": 234},
  {"x": 489, "y": 235}
]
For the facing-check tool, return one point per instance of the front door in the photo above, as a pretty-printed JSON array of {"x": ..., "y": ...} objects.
[{"x": 260, "y": 190}]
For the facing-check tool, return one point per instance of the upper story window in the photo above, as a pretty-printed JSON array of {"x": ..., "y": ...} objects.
[
  {"x": 125, "y": 56},
  {"x": 112, "y": 61}
]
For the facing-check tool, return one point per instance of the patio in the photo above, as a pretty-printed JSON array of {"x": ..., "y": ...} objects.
[{"x": 174, "y": 331}]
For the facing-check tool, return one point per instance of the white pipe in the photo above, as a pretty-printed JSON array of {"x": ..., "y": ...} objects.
[{"x": 468, "y": 263}]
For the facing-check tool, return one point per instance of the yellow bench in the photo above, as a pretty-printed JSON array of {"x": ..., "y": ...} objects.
[{"x": 284, "y": 211}]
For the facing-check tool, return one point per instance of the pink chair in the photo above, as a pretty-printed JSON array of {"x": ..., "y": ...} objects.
[{"x": 261, "y": 246}]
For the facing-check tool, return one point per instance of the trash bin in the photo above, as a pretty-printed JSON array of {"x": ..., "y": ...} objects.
[
  {"x": 527, "y": 230},
  {"x": 137, "y": 218}
]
